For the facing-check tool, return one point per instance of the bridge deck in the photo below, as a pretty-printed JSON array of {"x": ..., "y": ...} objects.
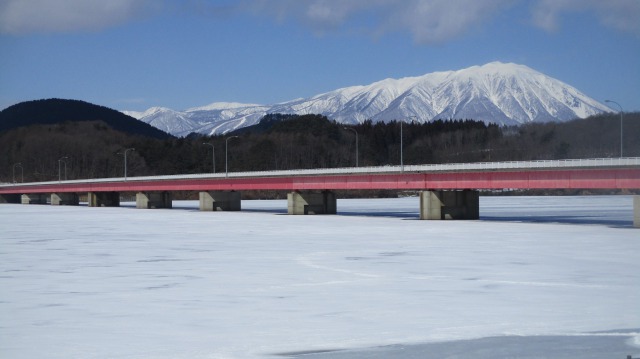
[{"x": 622, "y": 173}]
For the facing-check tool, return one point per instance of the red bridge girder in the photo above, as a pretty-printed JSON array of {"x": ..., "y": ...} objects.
[{"x": 615, "y": 178}]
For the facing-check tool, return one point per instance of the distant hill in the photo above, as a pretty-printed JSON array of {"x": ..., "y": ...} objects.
[
  {"x": 53, "y": 111},
  {"x": 276, "y": 121}
]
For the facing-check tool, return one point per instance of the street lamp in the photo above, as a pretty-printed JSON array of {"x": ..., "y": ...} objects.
[
  {"x": 356, "y": 132},
  {"x": 125, "y": 161},
  {"x": 226, "y": 155},
  {"x": 14, "y": 172},
  {"x": 213, "y": 150},
  {"x": 401, "y": 145},
  {"x": 621, "y": 137},
  {"x": 60, "y": 161}
]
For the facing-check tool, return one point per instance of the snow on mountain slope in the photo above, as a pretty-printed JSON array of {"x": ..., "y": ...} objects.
[
  {"x": 221, "y": 106},
  {"x": 507, "y": 94},
  {"x": 135, "y": 114},
  {"x": 168, "y": 120},
  {"x": 216, "y": 118}
]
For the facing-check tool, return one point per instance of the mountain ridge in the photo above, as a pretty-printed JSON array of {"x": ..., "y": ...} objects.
[{"x": 501, "y": 93}]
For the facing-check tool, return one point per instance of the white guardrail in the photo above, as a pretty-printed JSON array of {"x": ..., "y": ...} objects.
[{"x": 449, "y": 167}]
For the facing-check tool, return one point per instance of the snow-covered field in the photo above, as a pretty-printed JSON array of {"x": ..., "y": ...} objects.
[{"x": 78, "y": 282}]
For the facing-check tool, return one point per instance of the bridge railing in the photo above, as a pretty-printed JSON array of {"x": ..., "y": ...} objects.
[{"x": 448, "y": 167}]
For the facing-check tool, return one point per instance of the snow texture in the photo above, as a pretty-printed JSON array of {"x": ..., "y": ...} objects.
[
  {"x": 505, "y": 94},
  {"x": 79, "y": 282}
]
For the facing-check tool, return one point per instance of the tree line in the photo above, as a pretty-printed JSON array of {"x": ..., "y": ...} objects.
[{"x": 93, "y": 149}]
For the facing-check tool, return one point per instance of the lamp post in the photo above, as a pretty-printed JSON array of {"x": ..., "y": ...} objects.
[
  {"x": 125, "y": 161},
  {"x": 621, "y": 136},
  {"x": 226, "y": 156},
  {"x": 356, "y": 132},
  {"x": 213, "y": 150},
  {"x": 401, "y": 148},
  {"x": 401, "y": 145},
  {"x": 14, "y": 171},
  {"x": 60, "y": 161}
]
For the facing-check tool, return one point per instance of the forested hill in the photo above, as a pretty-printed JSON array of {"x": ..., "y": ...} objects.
[
  {"x": 53, "y": 111},
  {"x": 92, "y": 149}
]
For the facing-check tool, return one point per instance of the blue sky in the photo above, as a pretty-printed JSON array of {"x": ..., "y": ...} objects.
[{"x": 135, "y": 54}]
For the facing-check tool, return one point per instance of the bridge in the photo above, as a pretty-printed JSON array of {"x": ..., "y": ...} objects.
[{"x": 447, "y": 191}]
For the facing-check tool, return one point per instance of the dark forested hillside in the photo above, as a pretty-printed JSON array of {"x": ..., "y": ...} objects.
[
  {"x": 280, "y": 142},
  {"x": 85, "y": 150},
  {"x": 52, "y": 111}
]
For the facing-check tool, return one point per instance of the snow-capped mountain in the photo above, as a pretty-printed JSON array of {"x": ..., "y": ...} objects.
[
  {"x": 499, "y": 93},
  {"x": 168, "y": 120}
]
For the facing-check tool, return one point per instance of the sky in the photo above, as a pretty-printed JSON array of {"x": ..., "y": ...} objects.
[{"x": 137, "y": 54}]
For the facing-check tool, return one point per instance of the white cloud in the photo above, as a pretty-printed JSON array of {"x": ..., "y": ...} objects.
[
  {"x": 34, "y": 16},
  {"x": 623, "y": 15},
  {"x": 433, "y": 21},
  {"x": 428, "y": 21}
]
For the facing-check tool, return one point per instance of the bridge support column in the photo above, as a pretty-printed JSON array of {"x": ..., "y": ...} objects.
[
  {"x": 636, "y": 211},
  {"x": 10, "y": 198},
  {"x": 437, "y": 205},
  {"x": 148, "y": 200},
  {"x": 220, "y": 201},
  {"x": 103, "y": 199},
  {"x": 65, "y": 199},
  {"x": 34, "y": 198},
  {"x": 312, "y": 203}
]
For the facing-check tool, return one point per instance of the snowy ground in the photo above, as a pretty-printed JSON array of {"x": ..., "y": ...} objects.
[{"x": 534, "y": 274}]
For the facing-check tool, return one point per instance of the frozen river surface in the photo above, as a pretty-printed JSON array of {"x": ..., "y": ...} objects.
[{"x": 535, "y": 277}]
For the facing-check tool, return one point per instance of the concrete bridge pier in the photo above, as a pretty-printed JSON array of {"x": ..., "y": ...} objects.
[
  {"x": 220, "y": 201},
  {"x": 10, "y": 198},
  {"x": 104, "y": 199},
  {"x": 636, "y": 211},
  {"x": 65, "y": 199},
  {"x": 148, "y": 200},
  {"x": 438, "y": 205},
  {"x": 34, "y": 198},
  {"x": 311, "y": 202}
]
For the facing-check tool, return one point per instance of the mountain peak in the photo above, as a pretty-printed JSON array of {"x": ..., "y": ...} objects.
[
  {"x": 496, "y": 92},
  {"x": 495, "y": 68}
]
